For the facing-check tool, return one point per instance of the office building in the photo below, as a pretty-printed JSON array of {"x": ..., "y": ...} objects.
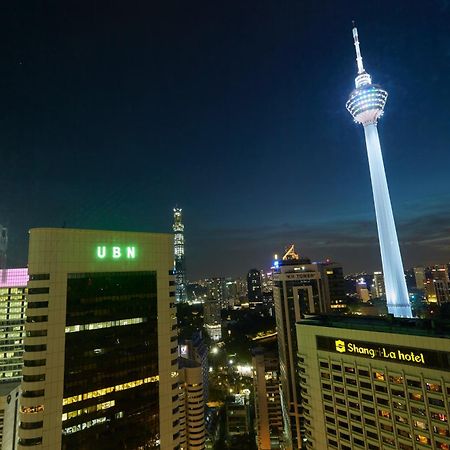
[
  {"x": 13, "y": 283},
  {"x": 100, "y": 362},
  {"x": 361, "y": 290},
  {"x": 437, "y": 287},
  {"x": 213, "y": 307},
  {"x": 254, "y": 290},
  {"x": 374, "y": 383},
  {"x": 366, "y": 105},
  {"x": 191, "y": 405},
  {"x": 420, "y": 277},
  {"x": 378, "y": 285},
  {"x": 299, "y": 287},
  {"x": 266, "y": 383},
  {"x": 178, "y": 250}
]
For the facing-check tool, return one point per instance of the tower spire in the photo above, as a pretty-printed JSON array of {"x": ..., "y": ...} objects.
[{"x": 359, "y": 60}]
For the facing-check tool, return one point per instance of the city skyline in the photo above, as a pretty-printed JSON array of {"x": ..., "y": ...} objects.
[{"x": 230, "y": 112}]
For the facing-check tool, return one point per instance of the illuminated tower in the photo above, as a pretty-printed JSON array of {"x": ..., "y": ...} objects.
[
  {"x": 178, "y": 245},
  {"x": 366, "y": 105}
]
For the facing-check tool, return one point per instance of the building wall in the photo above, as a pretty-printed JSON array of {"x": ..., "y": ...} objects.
[
  {"x": 13, "y": 283},
  {"x": 269, "y": 420},
  {"x": 192, "y": 408},
  {"x": 9, "y": 410},
  {"x": 361, "y": 399},
  {"x": 300, "y": 288},
  {"x": 53, "y": 255}
]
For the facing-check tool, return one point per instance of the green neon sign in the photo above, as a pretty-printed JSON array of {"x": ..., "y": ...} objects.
[{"x": 116, "y": 252}]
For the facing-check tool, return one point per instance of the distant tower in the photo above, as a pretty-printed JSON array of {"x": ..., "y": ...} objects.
[
  {"x": 3, "y": 246},
  {"x": 366, "y": 105},
  {"x": 180, "y": 269},
  {"x": 254, "y": 289}
]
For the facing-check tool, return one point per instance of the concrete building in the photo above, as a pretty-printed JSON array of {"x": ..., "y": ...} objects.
[
  {"x": 179, "y": 262},
  {"x": 13, "y": 283},
  {"x": 254, "y": 288},
  {"x": 437, "y": 287},
  {"x": 9, "y": 415},
  {"x": 299, "y": 287},
  {"x": 420, "y": 277},
  {"x": 213, "y": 307},
  {"x": 191, "y": 406},
  {"x": 378, "y": 285},
  {"x": 100, "y": 362},
  {"x": 374, "y": 383},
  {"x": 268, "y": 415},
  {"x": 237, "y": 416}
]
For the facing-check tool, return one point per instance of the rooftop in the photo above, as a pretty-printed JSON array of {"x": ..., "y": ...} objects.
[{"x": 390, "y": 324}]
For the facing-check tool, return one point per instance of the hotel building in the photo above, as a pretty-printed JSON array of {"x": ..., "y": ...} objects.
[
  {"x": 100, "y": 362},
  {"x": 374, "y": 383}
]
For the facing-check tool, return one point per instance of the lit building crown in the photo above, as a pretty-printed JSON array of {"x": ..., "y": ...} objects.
[{"x": 367, "y": 100}]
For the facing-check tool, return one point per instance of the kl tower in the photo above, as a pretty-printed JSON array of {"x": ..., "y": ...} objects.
[{"x": 366, "y": 105}]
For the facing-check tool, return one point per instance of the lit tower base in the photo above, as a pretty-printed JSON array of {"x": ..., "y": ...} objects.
[{"x": 366, "y": 105}]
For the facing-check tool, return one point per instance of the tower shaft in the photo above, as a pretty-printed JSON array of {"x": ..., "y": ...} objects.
[{"x": 394, "y": 278}]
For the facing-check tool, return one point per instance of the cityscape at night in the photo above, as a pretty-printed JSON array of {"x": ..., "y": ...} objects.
[{"x": 201, "y": 249}]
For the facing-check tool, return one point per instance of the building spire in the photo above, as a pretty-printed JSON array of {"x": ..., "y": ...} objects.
[{"x": 359, "y": 60}]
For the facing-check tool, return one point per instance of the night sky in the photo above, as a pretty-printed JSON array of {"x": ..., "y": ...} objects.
[{"x": 114, "y": 112}]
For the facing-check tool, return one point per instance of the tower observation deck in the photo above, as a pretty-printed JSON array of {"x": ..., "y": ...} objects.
[{"x": 366, "y": 105}]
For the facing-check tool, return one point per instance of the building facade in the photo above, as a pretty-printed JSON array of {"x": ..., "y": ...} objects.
[
  {"x": 192, "y": 405},
  {"x": 254, "y": 288},
  {"x": 375, "y": 383},
  {"x": 299, "y": 287},
  {"x": 268, "y": 415},
  {"x": 100, "y": 362},
  {"x": 178, "y": 251},
  {"x": 13, "y": 283}
]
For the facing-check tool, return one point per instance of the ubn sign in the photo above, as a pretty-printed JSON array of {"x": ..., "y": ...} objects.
[{"x": 116, "y": 252}]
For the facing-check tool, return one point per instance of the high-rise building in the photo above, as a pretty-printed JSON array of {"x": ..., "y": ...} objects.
[
  {"x": 299, "y": 287},
  {"x": 361, "y": 290},
  {"x": 100, "y": 363},
  {"x": 212, "y": 318},
  {"x": 375, "y": 383},
  {"x": 13, "y": 283},
  {"x": 191, "y": 405},
  {"x": 266, "y": 383},
  {"x": 254, "y": 291},
  {"x": 378, "y": 284},
  {"x": 366, "y": 105},
  {"x": 237, "y": 416},
  {"x": 437, "y": 287},
  {"x": 178, "y": 249},
  {"x": 420, "y": 277}
]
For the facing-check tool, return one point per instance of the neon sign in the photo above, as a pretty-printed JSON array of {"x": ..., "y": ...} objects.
[{"x": 115, "y": 252}]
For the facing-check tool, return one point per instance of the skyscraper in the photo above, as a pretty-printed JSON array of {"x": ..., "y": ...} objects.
[
  {"x": 13, "y": 283},
  {"x": 254, "y": 290},
  {"x": 100, "y": 362},
  {"x": 299, "y": 287},
  {"x": 178, "y": 248},
  {"x": 366, "y": 105}
]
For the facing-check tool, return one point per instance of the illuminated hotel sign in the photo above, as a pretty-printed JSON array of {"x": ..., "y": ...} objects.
[
  {"x": 396, "y": 354},
  {"x": 115, "y": 252}
]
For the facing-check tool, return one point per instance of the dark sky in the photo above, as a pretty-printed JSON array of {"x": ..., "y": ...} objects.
[{"x": 113, "y": 112}]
